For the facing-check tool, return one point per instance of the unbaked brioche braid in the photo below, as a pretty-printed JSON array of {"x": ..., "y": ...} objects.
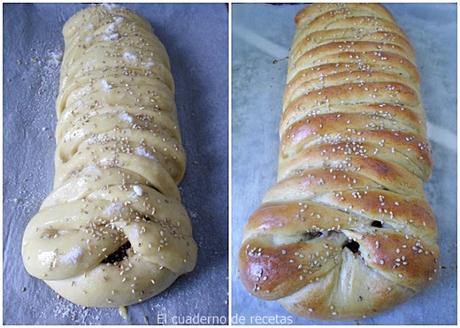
[
  {"x": 346, "y": 231},
  {"x": 113, "y": 231}
]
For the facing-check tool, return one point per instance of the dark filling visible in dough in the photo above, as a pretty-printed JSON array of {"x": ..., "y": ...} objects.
[
  {"x": 118, "y": 255},
  {"x": 311, "y": 235},
  {"x": 352, "y": 246},
  {"x": 377, "y": 224}
]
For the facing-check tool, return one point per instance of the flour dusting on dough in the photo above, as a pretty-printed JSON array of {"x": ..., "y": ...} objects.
[
  {"x": 149, "y": 64},
  {"x": 92, "y": 169},
  {"x": 137, "y": 190},
  {"x": 72, "y": 256},
  {"x": 111, "y": 37},
  {"x": 46, "y": 258},
  {"x": 141, "y": 151},
  {"x": 114, "y": 208},
  {"x": 129, "y": 56},
  {"x": 126, "y": 117},
  {"x": 111, "y": 32},
  {"x": 118, "y": 20},
  {"x": 106, "y": 85}
]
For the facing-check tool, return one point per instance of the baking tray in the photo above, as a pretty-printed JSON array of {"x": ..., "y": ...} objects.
[
  {"x": 196, "y": 37},
  {"x": 262, "y": 35}
]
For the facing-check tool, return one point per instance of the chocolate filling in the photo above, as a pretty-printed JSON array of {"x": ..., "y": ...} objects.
[
  {"x": 352, "y": 245},
  {"x": 311, "y": 235},
  {"x": 377, "y": 224},
  {"x": 119, "y": 254}
]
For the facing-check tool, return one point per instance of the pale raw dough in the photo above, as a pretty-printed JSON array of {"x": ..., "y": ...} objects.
[{"x": 113, "y": 232}]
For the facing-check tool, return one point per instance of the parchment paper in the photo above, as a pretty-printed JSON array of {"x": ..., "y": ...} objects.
[
  {"x": 263, "y": 33},
  {"x": 196, "y": 37}
]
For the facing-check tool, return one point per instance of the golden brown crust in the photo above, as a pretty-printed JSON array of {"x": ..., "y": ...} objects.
[
  {"x": 346, "y": 231},
  {"x": 367, "y": 61},
  {"x": 375, "y": 40},
  {"x": 311, "y": 12}
]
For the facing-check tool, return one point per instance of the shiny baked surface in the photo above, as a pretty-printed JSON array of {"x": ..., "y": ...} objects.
[{"x": 346, "y": 231}]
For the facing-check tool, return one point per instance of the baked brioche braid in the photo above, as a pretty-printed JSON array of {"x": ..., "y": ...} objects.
[
  {"x": 113, "y": 231},
  {"x": 346, "y": 231}
]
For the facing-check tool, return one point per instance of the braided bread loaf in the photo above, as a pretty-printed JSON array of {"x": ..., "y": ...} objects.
[
  {"x": 346, "y": 231},
  {"x": 113, "y": 231}
]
